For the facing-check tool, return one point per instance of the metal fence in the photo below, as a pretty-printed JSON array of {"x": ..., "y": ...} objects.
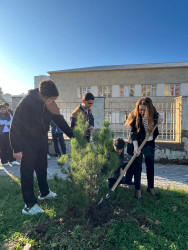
[{"x": 117, "y": 112}]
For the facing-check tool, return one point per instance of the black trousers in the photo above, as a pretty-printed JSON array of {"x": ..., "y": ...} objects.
[
  {"x": 34, "y": 159},
  {"x": 135, "y": 170},
  {"x": 5, "y": 148},
  {"x": 149, "y": 152}
]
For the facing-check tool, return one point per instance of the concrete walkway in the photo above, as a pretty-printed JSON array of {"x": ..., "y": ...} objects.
[{"x": 166, "y": 176}]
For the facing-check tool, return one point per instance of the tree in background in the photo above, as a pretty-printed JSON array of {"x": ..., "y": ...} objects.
[{"x": 91, "y": 164}]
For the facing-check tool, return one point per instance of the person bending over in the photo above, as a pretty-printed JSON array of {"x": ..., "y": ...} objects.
[{"x": 28, "y": 133}]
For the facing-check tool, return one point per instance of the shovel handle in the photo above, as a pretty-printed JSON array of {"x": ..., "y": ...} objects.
[{"x": 132, "y": 159}]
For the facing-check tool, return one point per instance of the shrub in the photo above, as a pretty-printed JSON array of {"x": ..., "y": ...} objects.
[{"x": 91, "y": 163}]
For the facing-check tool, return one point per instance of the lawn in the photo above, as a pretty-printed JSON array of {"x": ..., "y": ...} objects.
[{"x": 152, "y": 224}]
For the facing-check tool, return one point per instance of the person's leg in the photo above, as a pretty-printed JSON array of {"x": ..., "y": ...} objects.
[
  {"x": 9, "y": 149},
  {"x": 62, "y": 143},
  {"x": 137, "y": 175},
  {"x": 122, "y": 181},
  {"x": 41, "y": 169},
  {"x": 55, "y": 141},
  {"x": 149, "y": 161},
  {"x": 47, "y": 145},
  {"x": 28, "y": 162},
  {"x": 4, "y": 148},
  {"x": 129, "y": 174}
]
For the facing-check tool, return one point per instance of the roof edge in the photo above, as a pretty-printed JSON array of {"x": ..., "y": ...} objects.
[{"x": 125, "y": 67}]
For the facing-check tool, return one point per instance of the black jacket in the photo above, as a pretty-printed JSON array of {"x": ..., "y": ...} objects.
[
  {"x": 140, "y": 136},
  {"x": 32, "y": 119}
]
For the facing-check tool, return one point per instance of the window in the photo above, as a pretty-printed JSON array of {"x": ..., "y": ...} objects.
[
  {"x": 105, "y": 91},
  {"x": 126, "y": 90},
  {"x": 149, "y": 89},
  {"x": 172, "y": 90},
  {"x": 82, "y": 91}
]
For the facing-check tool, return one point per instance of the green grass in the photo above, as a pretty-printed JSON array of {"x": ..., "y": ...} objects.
[{"x": 152, "y": 224}]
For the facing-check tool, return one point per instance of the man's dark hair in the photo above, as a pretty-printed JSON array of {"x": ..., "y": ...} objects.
[
  {"x": 6, "y": 104},
  {"x": 47, "y": 88},
  {"x": 89, "y": 96},
  {"x": 119, "y": 143}
]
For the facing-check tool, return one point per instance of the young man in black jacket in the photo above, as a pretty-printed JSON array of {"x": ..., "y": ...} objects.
[
  {"x": 28, "y": 132},
  {"x": 85, "y": 109}
]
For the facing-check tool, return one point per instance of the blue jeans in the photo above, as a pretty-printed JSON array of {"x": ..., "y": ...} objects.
[{"x": 59, "y": 137}]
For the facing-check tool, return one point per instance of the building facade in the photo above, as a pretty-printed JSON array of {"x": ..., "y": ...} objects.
[
  {"x": 130, "y": 82},
  {"x": 122, "y": 86}
]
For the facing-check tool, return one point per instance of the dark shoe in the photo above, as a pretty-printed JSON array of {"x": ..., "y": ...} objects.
[{"x": 155, "y": 196}]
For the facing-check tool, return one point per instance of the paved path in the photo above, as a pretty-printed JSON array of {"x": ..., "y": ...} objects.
[{"x": 167, "y": 176}]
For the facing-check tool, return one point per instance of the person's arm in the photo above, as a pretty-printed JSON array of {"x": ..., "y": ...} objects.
[
  {"x": 134, "y": 137},
  {"x": 73, "y": 122},
  {"x": 160, "y": 118},
  {"x": 91, "y": 123},
  {"x": 10, "y": 120},
  {"x": 3, "y": 122},
  {"x": 16, "y": 129},
  {"x": 63, "y": 125}
]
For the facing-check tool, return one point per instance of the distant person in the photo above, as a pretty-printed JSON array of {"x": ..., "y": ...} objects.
[
  {"x": 57, "y": 135},
  {"x": 28, "y": 132},
  {"x": 85, "y": 109},
  {"x": 6, "y": 104},
  {"x": 7, "y": 158}
]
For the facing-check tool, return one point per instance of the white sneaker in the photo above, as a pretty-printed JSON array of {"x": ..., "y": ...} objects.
[
  {"x": 48, "y": 157},
  {"x": 33, "y": 210},
  {"x": 6, "y": 164},
  {"x": 13, "y": 163},
  {"x": 48, "y": 196}
]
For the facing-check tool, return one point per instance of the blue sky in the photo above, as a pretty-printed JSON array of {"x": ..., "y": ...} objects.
[{"x": 44, "y": 35}]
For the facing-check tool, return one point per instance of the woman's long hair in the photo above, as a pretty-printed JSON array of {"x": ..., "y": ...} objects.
[{"x": 146, "y": 101}]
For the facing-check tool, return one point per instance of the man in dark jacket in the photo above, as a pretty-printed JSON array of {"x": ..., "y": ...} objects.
[
  {"x": 28, "y": 132},
  {"x": 85, "y": 109}
]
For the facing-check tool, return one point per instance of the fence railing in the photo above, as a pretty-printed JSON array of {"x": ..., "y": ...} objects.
[{"x": 117, "y": 112}]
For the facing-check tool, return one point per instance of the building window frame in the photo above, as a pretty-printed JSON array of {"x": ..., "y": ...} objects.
[
  {"x": 172, "y": 89},
  {"x": 149, "y": 89},
  {"x": 105, "y": 91},
  {"x": 127, "y": 90},
  {"x": 81, "y": 91}
]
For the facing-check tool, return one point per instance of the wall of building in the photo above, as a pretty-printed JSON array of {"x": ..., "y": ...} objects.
[
  {"x": 15, "y": 100},
  {"x": 68, "y": 82}
]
